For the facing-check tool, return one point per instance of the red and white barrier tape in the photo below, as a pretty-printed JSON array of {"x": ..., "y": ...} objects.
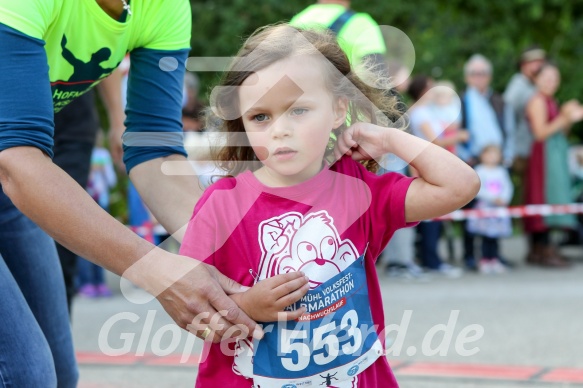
[{"x": 514, "y": 211}]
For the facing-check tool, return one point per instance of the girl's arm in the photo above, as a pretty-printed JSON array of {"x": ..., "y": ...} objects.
[
  {"x": 445, "y": 182},
  {"x": 459, "y": 137},
  {"x": 508, "y": 187},
  {"x": 265, "y": 301},
  {"x": 536, "y": 111}
]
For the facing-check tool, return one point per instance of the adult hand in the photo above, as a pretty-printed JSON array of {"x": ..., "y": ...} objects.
[
  {"x": 576, "y": 114},
  {"x": 195, "y": 295},
  {"x": 569, "y": 109},
  {"x": 463, "y": 136},
  {"x": 115, "y": 146}
]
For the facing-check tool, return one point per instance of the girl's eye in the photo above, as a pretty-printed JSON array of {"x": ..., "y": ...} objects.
[
  {"x": 260, "y": 117},
  {"x": 299, "y": 111}
]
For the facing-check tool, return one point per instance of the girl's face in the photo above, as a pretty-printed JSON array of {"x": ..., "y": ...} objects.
[
  {"x": 491, "y": 156},
  {"x": 288, "y": 114},
  {"x": 548, "y": 81}
]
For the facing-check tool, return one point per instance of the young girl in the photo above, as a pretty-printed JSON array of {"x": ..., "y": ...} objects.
[
  {"x": 304, "y": 233},
  {"x": 496, "y": 190}
]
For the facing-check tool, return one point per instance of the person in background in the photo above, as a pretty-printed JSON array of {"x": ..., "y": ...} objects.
[
  {"x": 359, "y": 36},
  {"x": 547, "y": 179},
  {"x": 358, "y": 33},
  {"x": 496, "y": 190},
  {"x": 489, "y": 121},
  {"x": 52, "y": 53},
  {"x": 102, "y": 178},
  {"x": 192, "y": 108},
  {"x": 518, "y": 92},
  {"x": 486, "y": 116},
  {"x": 429, "y": 119},
  {"x": 447, "y": 115},
  {"x": 198, "y": 140},
  {"x": 398, "y": 258}
]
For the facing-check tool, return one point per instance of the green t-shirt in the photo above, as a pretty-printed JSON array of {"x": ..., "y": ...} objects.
[
  {"x": 84, "y": 44},
  {"x": 360, "y": 36}
]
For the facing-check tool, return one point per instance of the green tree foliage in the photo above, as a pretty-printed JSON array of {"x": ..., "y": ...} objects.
[{"x": 444, "y": 32}]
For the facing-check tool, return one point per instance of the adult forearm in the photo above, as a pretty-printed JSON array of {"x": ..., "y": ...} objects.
[
  {"x": 170, "y": 188},
  {"x": 545, "y": 131},
  {"x": 54, "y": 201}
]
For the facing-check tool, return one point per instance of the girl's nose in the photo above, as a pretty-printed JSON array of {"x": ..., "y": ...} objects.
[{"x": 281, "y": 128}]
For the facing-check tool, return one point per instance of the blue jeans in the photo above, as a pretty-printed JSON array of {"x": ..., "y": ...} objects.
[
  {"x": 430, "y": 233},
  {"x": 36, "y": 346},
  {"x": 89, "y": 273}
]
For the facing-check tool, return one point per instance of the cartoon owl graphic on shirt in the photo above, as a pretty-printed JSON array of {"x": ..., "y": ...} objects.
[
  {"x": 296, "y": 242},
  {"x": 309, "y": 243}
]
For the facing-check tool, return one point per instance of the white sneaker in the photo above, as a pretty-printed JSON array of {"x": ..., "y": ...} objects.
[
  {"x": 485, "y": 266},
  {"x": 405, "y": 271},
  {"x": 449, "y": 271},
  {"x": 496, "y": 266}
]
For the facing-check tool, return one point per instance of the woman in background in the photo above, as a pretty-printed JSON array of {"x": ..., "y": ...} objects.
[{"x": 547, "y": 179}]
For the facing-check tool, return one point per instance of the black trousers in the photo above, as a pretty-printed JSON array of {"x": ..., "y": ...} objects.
[
  {"x": 76, "y": 127},
  {"x": 490, "y": 247}
]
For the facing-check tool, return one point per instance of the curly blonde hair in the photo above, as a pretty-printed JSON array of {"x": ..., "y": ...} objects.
[{"x": 273, "y": 43}]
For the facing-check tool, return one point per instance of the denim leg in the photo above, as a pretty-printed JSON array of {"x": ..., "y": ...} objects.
[
  {"x": 430, "y": 233},
  {"x": 84, "y": 272},
  {"x": 489, "y": 247},
  {"x": 25, "y": 355},
  {"x": 89, "y": 273},
  {"x": 98, "y": 275},
  {"x": 35, "y": 334},
  {"x": 468, "y": 238}
]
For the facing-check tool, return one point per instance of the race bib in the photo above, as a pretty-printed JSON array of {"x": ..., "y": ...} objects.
[{"x": 332, "y": 342}]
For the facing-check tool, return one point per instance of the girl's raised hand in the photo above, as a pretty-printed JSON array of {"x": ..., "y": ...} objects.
[
  {"x": 265, "y": 301},
  {"x": 363, "y": 141}
]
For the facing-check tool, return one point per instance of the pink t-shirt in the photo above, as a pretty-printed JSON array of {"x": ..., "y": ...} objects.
[{"x": 239, "y": 225}]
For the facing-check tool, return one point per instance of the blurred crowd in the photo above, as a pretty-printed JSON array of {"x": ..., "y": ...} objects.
[{"x": 518, "y": 144}]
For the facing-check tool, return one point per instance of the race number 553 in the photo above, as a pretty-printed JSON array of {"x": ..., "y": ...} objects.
[{"x": 325, "y": 343}]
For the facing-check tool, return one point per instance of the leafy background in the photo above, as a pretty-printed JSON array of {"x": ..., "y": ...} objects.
[{"x": 445, "y": 33}]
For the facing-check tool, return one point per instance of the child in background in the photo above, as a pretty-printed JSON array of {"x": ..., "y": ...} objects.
[
  {"x": 447, "y": 113},
  {"x": 102, "y": 178},
  {"x": 303, "y": 233},
  {"x": 431, "y": 115},
  {"x": 496, "y": 190}
]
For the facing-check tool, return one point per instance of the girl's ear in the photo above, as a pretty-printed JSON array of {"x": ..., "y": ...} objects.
[{"x": 340, "y": 111}]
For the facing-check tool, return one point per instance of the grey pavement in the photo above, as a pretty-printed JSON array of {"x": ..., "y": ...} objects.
[{"x": 528, "y": 317}]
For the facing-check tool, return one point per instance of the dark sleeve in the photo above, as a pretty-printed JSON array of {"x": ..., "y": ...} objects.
[
  {"x": 154, "y": 104},
  {"x": 26, "y": 105}
]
